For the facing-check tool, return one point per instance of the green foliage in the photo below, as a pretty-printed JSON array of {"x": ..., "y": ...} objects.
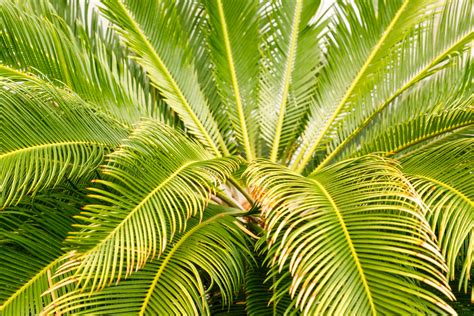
[
  {"x": 235, "y": 156},
  {"x": 75, "y": 53},
  {"x": 48, "y": 134},
  {"x": 264, "y": 295},
  {"x": 449, "y": 198},
  {"x": 180, "y": 279},
  {"x": 32, "y": 237},
  {"x": 353, "y": 228},
  {"x": 136, "y": 215}
]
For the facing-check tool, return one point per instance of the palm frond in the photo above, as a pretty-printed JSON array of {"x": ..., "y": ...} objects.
[
  {"x": 402, "y": 136},
  {"x": 439, "y": 97},
  {"x": 362, "y": 111},
  {"x": 356, "y": 229},
  {"x": 309, "y": 61},
  {"x": 443, "y": 177},
  {"x": 465, "y": 132},
  {"x": 438, "y": 107},
  {"x": 36, "y": 153},
  {"x": 156, "y": 180},
  {"x": 194, "y": 20},
  {"x": 371, "y": 71},
  {"x": 264, "y": 296},
  {"x": 144, "y": 25},
  {"x": 210, "y": 253},
  {"x": 285, "y": 22},
  {"x": 36, "y": 39},
  {"x": 31, "y": 239},
  {"x": 234, "y": 46}
]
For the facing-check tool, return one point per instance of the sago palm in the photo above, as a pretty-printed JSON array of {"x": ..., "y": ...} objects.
[{"x": 263, "y": 157}]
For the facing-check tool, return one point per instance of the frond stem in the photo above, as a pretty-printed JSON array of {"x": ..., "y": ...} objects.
[
  {"x": 401, "y": 156},
  {"x": 242, "y": 190},
  {"x": 426, "y": 137},
  {"x": 229, "y": 200},
  {"x": 42, "y": 146}
]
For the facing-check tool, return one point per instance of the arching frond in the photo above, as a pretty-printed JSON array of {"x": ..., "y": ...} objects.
[
  {"x": 355, "y": 229},
  {"x": 36, "y": 39},
  {"x": 155, "y": 181},
  {"x": 234, "y": 46},
  {"x": 406, "y": 134},
  {"x": 153, "y": 31},
  {"x": 48, "y": 135},
  {"x": 210, "y": 253},
  {"x": 194, "y": 20},
  {"x": 361, "y": 110},
  {"x": 443, "y": 177},
  {"x": 31, "y": 239},
  {"x": 366, "y": 73},
  {"x": 435, "y": 107}
]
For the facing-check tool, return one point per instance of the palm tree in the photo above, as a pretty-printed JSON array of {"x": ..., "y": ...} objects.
[{"x": 261, "y": 157}]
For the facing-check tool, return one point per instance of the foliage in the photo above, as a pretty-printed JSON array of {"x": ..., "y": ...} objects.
[{"x": 218, "y": 157}]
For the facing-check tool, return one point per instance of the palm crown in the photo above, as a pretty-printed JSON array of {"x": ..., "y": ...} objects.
[{"x": 195, "y": 157}]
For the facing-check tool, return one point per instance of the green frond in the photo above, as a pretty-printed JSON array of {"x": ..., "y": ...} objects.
[
  {"x": 285, "y": 21},
  {"x": 464, "y": 132},
  {"x": 36, "y": 152},
  {"x": 234, "y": 45},
  {"x": 443, "y": 177},
  {"x": 437, "y": 105},
  {"x": 437, "y": 108},
  {"x": 366, "y": 72},
  {"x": 35, "y": 39},
  {"x": 31, "y": 239},
  {"x": 309, "y": 61},
  {"x": 264, "y": 296},
  {"x": 194, "y": 20},
  {"x": 362, "y": 111},
  {"x": 210, "y": 253},
  {"x": 402, "y": 136},
  {"x": 153, "y": 31},
  {"x": 355, "y": 228},
  {"x": 156, "y": 180}
]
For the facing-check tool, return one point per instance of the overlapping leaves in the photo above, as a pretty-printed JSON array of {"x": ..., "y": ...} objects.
[
  {"x": 154, "y": 183},
  {"x": 48, "y": 134},
  {"x": 275, "y": 79},
  {"x": 355, "y": 228},
  {"x": 209, "y": 254},
  {"x": 31, "y": 238},
  {"x": 443, "y": 177},
  {"x": 167, "y": 60},
  {"x": 71, "y": 52}
]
